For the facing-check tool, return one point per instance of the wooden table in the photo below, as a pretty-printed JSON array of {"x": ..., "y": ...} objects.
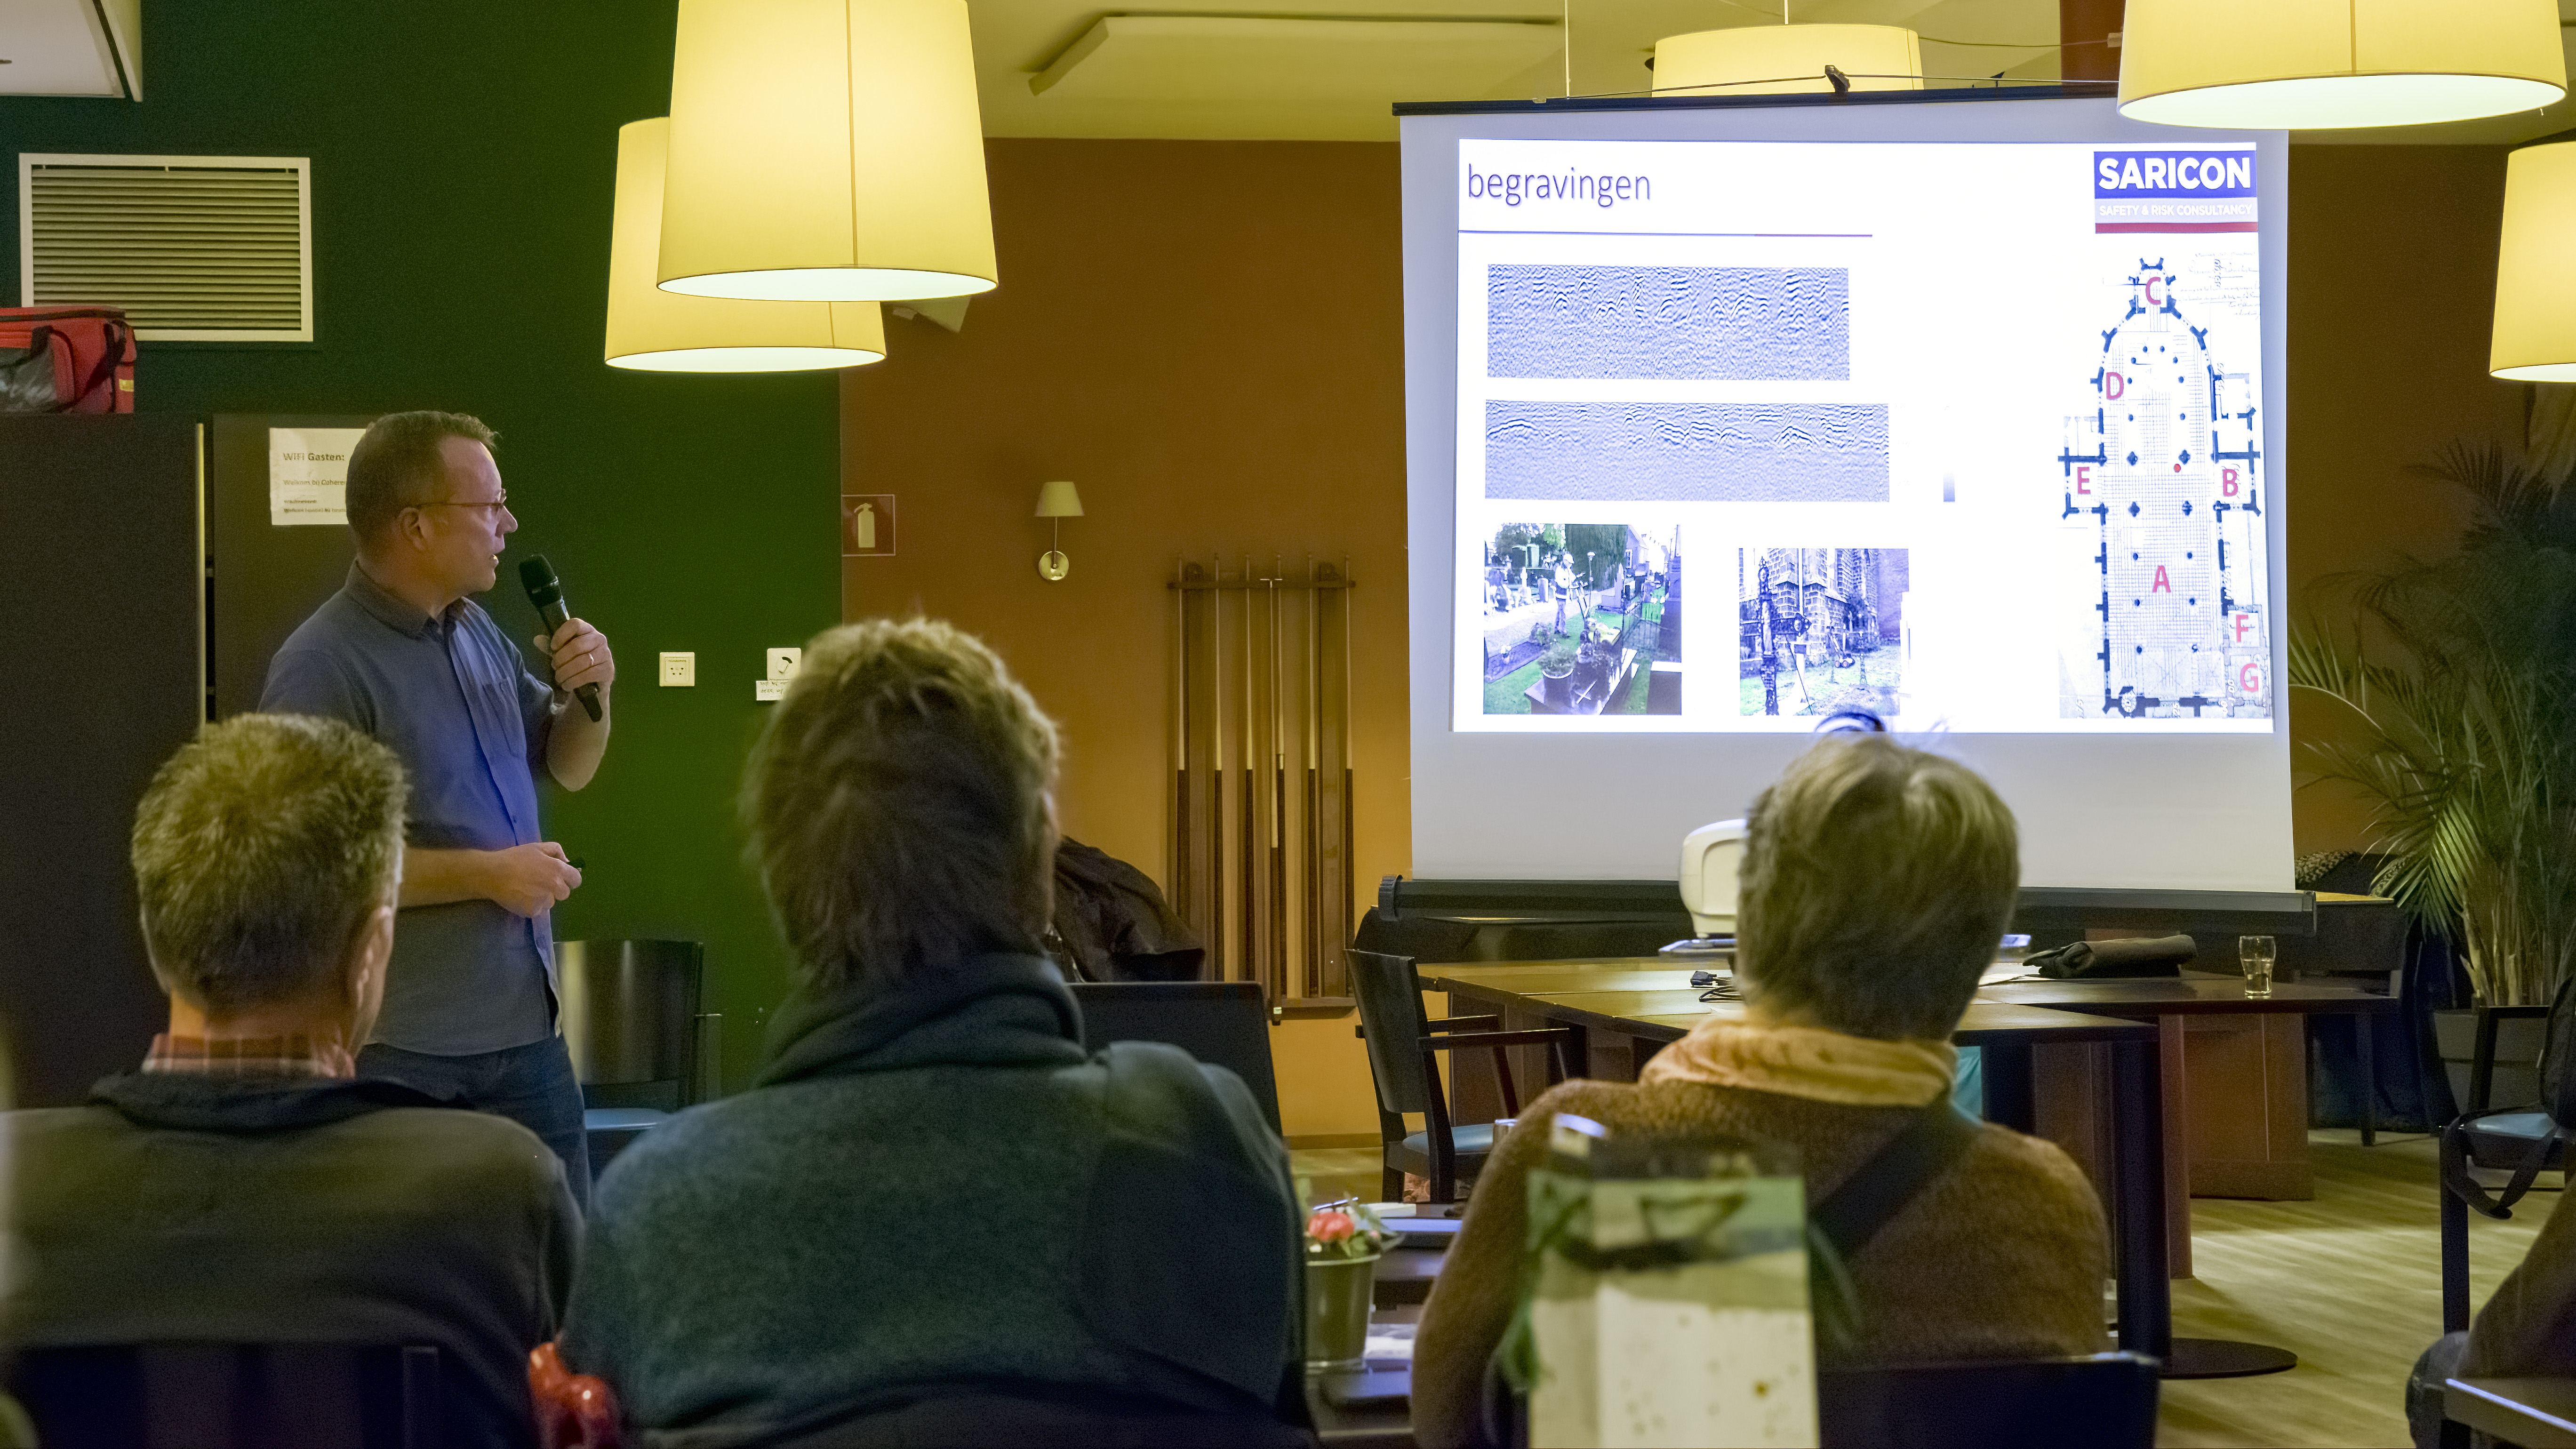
[
  {"x": 2235, "y": 1073},
  {"x": 2534, "y": 1413},
  {"x": 1627, "y": 1010}
]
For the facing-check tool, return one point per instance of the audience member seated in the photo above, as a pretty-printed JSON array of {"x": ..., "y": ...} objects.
[
  {"x": 1875, "y": 885},
  {"x": 2527, "y": 1330},
  {"x": 933, "y": 1219},
  {"x": 244, "y": 1187}
]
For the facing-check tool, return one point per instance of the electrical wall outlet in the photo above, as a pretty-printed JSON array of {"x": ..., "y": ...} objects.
[
  {"x": 679, "y": 669},
  {"x": 768, "y": 691},
  {"x": 783, "y": 664}
]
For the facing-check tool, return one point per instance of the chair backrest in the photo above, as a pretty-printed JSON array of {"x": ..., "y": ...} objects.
[
  {"x": 2105, "y": 1401},
  {"x": 630, "y": 1019},
  {"x": 233, "y": 1396},
  {"x": 1222, "y": 1023},
  {"x": 1392, "y": 1020}
]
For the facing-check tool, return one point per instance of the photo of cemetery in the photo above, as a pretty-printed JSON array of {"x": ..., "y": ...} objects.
[
  {"x": 1821, "y": 630},
  {"x": 1583, "y": 619}
]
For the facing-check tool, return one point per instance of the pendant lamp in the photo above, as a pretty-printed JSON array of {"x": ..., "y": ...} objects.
[
  {"x": 825, "y": 151},
  {"x": 2535, "y": 300},
  {"x": 2326, "y": 64},
  {"x": 1787, "y": 60},
  {"x": 658, "y": 331}
]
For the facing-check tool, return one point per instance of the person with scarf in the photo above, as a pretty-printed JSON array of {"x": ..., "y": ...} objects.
[
  {"x": 934, "y": 1218},
  {"x": 1875, "y": 886}
]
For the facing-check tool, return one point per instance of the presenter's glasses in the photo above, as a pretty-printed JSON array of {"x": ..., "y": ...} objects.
[{"x": 492, "y": 509}]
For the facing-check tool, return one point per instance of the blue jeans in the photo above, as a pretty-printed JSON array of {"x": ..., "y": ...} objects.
[{"x": 532, "y": 1085}]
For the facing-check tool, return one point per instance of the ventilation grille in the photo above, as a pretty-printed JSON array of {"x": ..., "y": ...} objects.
[{"x": 194, "y": 248}]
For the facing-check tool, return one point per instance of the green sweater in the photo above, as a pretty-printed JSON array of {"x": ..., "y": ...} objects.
[
  {"x": 933, "y": 1191},
  {"x": 183, "y": 1207}
]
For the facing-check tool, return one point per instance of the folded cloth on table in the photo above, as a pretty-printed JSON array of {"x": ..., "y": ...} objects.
[{"x": 2107, "y": 960}]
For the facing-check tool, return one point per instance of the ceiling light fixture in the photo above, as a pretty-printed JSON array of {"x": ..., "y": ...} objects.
[
  {"x": 2334, "y": 64},
  {"x": 2535, "y": 298},
  {"x": 825, "y": 151},
  {"x": 656, "y": 331},
  {"x": 1788, "y": 60}
]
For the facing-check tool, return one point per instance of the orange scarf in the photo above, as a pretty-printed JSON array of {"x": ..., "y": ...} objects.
[{"x": 1806, "y": 1061}]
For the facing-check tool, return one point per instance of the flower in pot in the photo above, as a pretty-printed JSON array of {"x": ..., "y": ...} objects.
[
  {"x": 1344, "y": 1240},
  {"x": 1593, "y": 667},
  {"x": 2456, "y": 681},
  {"x": 1556, "y": 667}
]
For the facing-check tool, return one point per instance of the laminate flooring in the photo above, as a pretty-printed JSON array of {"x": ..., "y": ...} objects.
[{"x": 2351, "y": 1283}]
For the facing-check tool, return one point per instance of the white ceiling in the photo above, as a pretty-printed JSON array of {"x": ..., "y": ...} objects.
[
  {"x": 69, "y": 47},
  {"x": 1310, "y": 90}
]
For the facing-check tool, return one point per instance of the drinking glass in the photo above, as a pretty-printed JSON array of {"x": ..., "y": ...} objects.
[{"x": 2255, "y": 954}]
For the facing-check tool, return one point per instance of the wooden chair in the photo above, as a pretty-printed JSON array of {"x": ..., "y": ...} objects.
[
  {"x": 1222, "y": 1023},
  {"x": 2101, "y": 1401},
  {"x": 233, "y": 1396},
  {"x": 2105, "y": 1401},
  {"x": 1401, "y": 1039},
  {"x": 2511, "y": 1140}
]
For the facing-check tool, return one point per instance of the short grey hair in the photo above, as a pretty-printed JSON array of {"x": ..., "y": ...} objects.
[
  {"x": 259, "y": 850},
  {"x": 1875, "y": 887},
  {"x": 396, "y": 465},
  {"x": 897, "y": 805}
]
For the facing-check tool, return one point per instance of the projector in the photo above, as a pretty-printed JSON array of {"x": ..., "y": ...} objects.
[{"x": 1710, "y": 857}]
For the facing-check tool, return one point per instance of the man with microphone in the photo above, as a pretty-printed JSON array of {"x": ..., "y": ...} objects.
[{"x": 403, "y": 653}]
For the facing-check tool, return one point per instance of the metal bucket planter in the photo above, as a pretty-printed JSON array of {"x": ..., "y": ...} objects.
[
  {"x": 1338, "y": 1297},
  {"x": 1560, "y": 688}
]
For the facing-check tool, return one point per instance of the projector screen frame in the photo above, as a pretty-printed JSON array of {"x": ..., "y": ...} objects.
[{"x": 2249, "y": 808}]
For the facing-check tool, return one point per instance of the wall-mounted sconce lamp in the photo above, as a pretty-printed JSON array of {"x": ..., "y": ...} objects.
[{"x": 1058, "y": 501}]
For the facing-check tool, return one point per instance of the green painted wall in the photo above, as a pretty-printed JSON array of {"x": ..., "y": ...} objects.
[{"x": 463, "y": 158}]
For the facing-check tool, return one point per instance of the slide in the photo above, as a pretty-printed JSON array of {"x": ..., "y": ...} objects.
[{"x": 1966, "y": 435}]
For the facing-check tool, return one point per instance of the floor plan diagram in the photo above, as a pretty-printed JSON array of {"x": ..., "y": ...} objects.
[{"x": 2163, "y": 492}]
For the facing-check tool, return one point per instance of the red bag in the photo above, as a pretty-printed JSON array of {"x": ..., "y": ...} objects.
[{"x": 66, "y": 360}]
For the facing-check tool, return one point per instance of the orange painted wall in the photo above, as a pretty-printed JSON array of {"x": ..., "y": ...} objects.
[
  {"x": 1206, "y": 337},
  {"x": 2392, "y": 288}
]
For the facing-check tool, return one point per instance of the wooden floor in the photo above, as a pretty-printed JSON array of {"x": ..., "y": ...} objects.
[{"x": 2351, "y": 1283}]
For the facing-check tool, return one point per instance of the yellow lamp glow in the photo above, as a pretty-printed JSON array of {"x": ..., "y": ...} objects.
[
  {"x": 825, "y": 151},
  {"x": 657, "y": 331},
  {"x": 2535, "y": 300},
  {"x": 2326, "y": 64},
  {"x": 1787, "y": 60}
]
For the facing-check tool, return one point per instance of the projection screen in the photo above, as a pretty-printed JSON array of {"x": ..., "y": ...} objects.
[{"x": 1724, "y": 419}]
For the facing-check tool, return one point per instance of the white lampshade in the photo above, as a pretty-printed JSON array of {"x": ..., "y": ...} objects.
[
  {"x": 825, "y": 151},
  {"x": 1787, "y": 60},
  {"x": 2535, "y": 300},
  {"x": 2323, "y": 64},
  {"x": 657, "y": 331},
  {"x": 1059, "y": 500}
]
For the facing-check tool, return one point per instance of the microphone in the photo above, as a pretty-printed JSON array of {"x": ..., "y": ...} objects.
[{"x": 546, "y": 592}]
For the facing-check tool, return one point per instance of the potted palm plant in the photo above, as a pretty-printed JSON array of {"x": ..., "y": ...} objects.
[{"x": 2457, "y": 682}]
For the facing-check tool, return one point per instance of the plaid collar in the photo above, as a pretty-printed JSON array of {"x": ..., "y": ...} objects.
[{"x": 255, "y": 1056}]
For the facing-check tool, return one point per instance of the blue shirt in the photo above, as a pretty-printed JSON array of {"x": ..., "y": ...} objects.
[{"x": 453, "y": 698}]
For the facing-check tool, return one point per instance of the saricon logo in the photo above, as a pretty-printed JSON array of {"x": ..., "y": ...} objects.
[{"x": 2173, "y": 173}]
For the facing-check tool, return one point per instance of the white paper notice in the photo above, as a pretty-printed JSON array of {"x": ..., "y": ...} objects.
[{"x": 308, "y": 474}]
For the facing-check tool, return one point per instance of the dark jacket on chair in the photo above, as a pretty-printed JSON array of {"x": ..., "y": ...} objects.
[
  {"x": 182, "y": 1207},
  {"x": 933, "y": 1194}
]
